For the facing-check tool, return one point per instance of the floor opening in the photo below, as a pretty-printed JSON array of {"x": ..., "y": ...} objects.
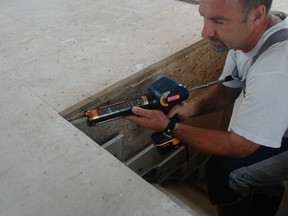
[{"x": 180, "y": 168}]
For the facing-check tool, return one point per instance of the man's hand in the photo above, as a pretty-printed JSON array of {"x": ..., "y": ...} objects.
[
  {"x": 153, "y": 119},
  {"x": 183, "y": 110}
]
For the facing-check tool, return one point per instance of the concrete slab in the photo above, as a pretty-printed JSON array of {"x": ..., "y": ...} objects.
[
  {"x": 54, "y": 54},
  {"x": 21, "y": 44},
  {"x": 90, "y": 45},
  {"x": 48, "y": 167}
]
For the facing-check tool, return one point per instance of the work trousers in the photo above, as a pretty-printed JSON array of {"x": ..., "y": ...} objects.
[{"x": 248, "y": 186}]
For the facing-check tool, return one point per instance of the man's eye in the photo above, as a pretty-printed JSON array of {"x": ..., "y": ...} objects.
[{"x": 218, "y": 22}]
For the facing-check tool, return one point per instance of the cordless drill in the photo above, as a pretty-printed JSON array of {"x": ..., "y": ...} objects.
[{"x": 163, "y": 94}]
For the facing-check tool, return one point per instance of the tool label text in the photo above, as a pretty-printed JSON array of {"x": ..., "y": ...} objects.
[{"x": 173, "y": 98}]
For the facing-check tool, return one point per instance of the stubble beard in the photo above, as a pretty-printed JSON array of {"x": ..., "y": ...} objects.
[{"x": 217, "y": 45}]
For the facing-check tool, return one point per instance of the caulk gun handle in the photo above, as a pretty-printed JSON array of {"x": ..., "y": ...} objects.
[
  {"x": 175, "y": 118},
  {"x": 164, "y": 141},
  {"x": 171, "y": 125}
]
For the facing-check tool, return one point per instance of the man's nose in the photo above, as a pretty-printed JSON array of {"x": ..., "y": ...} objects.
[{"x": 208, "y": 29}]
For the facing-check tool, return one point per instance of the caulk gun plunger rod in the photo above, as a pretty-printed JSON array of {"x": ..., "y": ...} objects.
[{"x": 226, "y": 79}]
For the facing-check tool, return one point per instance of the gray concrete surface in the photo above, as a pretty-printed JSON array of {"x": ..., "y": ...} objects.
[
  {"x": 89, "y": 45},
  {"x": 53, "y": 54}
]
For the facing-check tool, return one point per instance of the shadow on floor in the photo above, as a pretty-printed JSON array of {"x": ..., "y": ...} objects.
[
  {"x": 196, "y": 198},
  {"x": 195, "y": 2}
]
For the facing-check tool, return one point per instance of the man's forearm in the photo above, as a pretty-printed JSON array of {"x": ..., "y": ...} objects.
[
  {"x": 215, "y": 98},
  {"x": 214, "y": 142}
]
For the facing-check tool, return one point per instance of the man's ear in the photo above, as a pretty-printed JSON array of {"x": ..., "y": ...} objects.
[{"x": 258, "y": 14}]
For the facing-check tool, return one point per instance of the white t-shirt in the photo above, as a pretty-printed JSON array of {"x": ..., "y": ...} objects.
[{"x": 263, "y": 115}]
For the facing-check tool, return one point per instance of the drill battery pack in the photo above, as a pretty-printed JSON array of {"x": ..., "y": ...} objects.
[{"x": 165, "y": 143}]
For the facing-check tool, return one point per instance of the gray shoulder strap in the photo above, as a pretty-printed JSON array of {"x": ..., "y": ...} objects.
[
  {"x": 280, "y": 14},
  {"x": 276, "y": 37}
]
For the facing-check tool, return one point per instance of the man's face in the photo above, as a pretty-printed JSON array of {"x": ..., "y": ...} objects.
[{"x": 224, "y": 24}]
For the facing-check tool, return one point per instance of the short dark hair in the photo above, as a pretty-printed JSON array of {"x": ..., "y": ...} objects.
[{"x": 248, "y": 5}]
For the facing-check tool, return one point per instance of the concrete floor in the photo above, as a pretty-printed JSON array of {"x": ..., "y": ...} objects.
[
  {"x": 87, "y": 44},
  {"x": 54, "y": 54}
]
